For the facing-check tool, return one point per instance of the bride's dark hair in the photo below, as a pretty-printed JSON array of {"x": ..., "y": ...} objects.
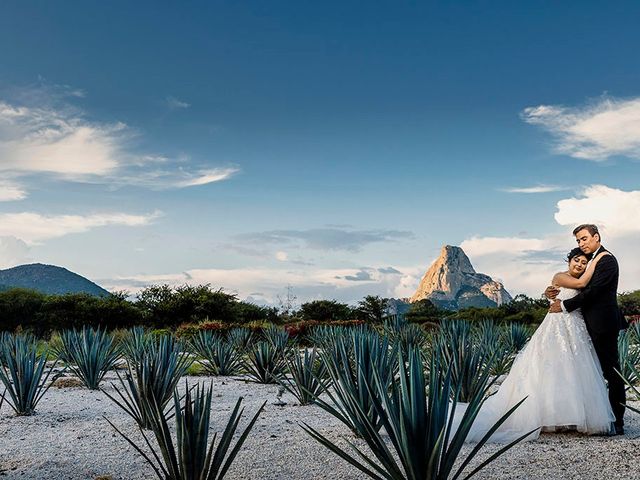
[{"x": 576, "y": 252}]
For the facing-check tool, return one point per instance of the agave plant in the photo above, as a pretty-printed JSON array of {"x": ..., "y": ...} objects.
[
  {"x": 277, "y": 337},
  {"x": 152, "y": 379},
  {"x": 324, "y": 336},
  {"x": 492, "y": 340},
  {"x": 307, "y": 375},
  {"x": 265, "y": 363},
  {"x": 632, "y": 385},
  {"x": 629, "y": 356},
  {"x": 404, "y": 334},
  {"x": 393, "y": 324},
  {"x": 634, "y": 331},
  {"x": 488, "y": 334},
  {"x": 424, "y": 444},
  {"x": 22, "y": 372},
  {"x": 219, "y": 356},
  {"x": 351, "y": 365},
  {"x": 517, "y": 336},
  {"x": 89, "y": 354},
  {"x": 135, "y": 344},
  {"x": 191, "y": 456},
  {"x": 467, "y": 361},
  {"x": 241, "y": 338}
]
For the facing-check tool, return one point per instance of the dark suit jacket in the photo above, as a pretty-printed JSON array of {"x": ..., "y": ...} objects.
[{"x": 598, "y": 300}]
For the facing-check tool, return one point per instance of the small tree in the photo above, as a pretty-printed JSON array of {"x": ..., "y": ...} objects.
[
  {"x": 373, "y": 308},
  {"x": 325, "y": 310},
  {"x": 629, "y": 303},
  {"x": 423, "y": 311}
]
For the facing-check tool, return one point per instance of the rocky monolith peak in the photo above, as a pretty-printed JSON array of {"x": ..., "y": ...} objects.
[{"x": 452, "y": 283}]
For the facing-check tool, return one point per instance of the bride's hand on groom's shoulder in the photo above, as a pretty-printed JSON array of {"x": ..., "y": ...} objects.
[{"x": 551, "y": 292}]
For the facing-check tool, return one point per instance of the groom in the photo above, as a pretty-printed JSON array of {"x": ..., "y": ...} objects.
[{"x": 598, "y": 301}]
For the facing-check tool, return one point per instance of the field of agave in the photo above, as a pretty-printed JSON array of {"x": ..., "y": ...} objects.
[{"x": 395, "y": 386}]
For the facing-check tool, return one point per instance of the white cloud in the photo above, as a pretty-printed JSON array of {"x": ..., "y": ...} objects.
[
  {"x": 603, "y": 129},
  {"x": 535, "y": 189},
  {"x": 10, "y": 191},
  {"x": 34, "y": 227},
  {"x": 282, "y": 256},
  {"x": 174, "y": 104},
  {"x": 615, "y": 211},
  {"x": 46, "y": 135},
  {"x": 526, "y": 265},
  {"x": 61, "y": 142},
  {"x": 206, "y": 176},
  {"x": 13, "y": 251}
]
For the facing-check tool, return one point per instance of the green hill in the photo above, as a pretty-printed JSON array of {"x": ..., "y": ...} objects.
[{"x": 48, "y": 279}]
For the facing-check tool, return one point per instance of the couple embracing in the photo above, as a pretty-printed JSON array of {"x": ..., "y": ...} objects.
[{"x": 568, "y": 369}]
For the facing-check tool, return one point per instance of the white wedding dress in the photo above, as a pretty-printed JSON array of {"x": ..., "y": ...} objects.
[{"x": 559, "y": 373}]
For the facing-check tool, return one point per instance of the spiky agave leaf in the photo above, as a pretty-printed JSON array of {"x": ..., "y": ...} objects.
[
  {"x": 632, "y": 382},
  {"x": 153, "y": 378},
  {"x": 307, "y": 375},
  {"x": 420, "y": 427},
  {"x": 277, "y": 337},
  {"x": 629, "y": 356},
  {"x": 351, "y": 363},
  {"x": 220, "y": 357},
  {"x": 89, "y": 354},
  {"x": 325, "y": 336},
  {"x": 493, "y": 340},
  {"x": 192, "y": 456},
  {"x": 265, "y": 363},
  {"x": 517, "y": 336},
  {"x": 467, "y": 360},
  {"x": 241, "y": 338},
  {"x": 22, "y": 372},
  {"x": 634, "y": 332},
  {"x": 135, "y": 344}
]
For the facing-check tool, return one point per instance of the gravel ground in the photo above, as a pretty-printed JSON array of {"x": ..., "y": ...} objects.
[{"x": 68, "y": 438}]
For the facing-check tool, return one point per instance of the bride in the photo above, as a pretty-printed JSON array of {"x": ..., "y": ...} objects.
[{"x": 557, "y": 371}]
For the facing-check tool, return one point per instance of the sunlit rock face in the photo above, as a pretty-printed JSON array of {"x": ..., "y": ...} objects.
[{"x": 452, "y": 283}]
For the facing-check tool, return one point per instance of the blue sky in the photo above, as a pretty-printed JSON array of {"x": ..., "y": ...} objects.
[{"x": 333, "y": 146}]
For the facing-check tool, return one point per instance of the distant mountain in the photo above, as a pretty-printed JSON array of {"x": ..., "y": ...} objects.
[
  {"x": 48, "y": 279},
  {"x": 452, "y": 283}
]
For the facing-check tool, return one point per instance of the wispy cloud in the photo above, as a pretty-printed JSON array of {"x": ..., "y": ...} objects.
[
  {"x": 33, "y": 227},
  {"x": 10, "y": 191},
  {"x": 43, "y": 140},
  {"x": 602, "y": 129},
  {"x": 205, "y": 177},
  {"x": 535, "y": 189},
  {"x": 42, "y": 133},
  {"x": 325, "y": 238},
  {"x": 174, "y": 104}
]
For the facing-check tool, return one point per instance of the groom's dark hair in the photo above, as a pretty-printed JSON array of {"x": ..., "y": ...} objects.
[{"x": 592, "y": 229}]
